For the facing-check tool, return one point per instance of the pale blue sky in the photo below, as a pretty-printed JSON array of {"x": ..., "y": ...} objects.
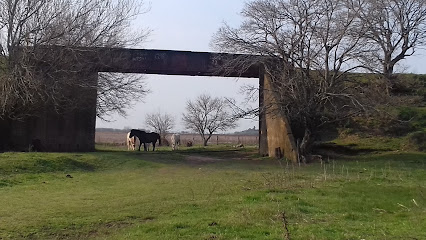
[{"x": 189, "y": 25}]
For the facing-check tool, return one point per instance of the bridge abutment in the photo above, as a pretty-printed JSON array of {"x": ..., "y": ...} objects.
[
  {"x": 72, "y": 128},
  {"x": 276, "y": 137}
]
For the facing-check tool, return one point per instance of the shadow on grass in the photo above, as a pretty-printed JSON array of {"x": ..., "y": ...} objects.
[
  {"x": 418, "y": 159},
  {"x": 63, "y": 164},
  {"x": 350, "y": 149},
  {"x": 18, "y": 163}
]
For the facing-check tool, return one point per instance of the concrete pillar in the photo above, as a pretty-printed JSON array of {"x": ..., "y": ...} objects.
[
  {"x": 274, "y": 128},
  {"x": 263, "y": 131},
  {"x": 70, "y": 131}
]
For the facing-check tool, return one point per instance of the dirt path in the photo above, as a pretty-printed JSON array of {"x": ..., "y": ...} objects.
[{"x": 202, "y": 159}]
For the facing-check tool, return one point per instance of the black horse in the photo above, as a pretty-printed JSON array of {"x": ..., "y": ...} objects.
[{"x": 145, "y": 138}]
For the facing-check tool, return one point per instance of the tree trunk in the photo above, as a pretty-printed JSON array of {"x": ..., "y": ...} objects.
[
  {"x": 206, "y": 139},
  {"x": 304, "y": 146},
  {"x": 389, "y": 78}
]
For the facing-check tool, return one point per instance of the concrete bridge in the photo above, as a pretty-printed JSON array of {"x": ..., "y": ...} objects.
[{"x": 75, "y": 130}]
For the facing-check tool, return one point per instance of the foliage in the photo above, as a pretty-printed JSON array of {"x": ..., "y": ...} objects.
[
  {"x": 398, "y": 114},
  {"x": 409, "y": 85},
  {"x": 418, "y": 139},
  {"x": 389, "y": 121},
  {"x": 415, "y": 116}
]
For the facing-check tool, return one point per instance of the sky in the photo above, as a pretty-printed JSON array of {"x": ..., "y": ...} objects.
[
  {"x": 189, "y": 25},
  {"x": 186, "y": 25}
]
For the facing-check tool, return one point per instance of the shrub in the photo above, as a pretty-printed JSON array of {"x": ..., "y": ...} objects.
[
  {"x": 418, "y": 140},
  {"x": 407, "y": 114},
  {"x": 415, "y": 118}
]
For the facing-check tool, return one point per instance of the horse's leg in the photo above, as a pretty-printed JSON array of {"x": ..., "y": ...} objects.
[
  {"x": 133, "y": 143},
  {"x": 140, "y": 143},
  {"x": 144, "y": 147},
  {"x": 153, "y": 146}
]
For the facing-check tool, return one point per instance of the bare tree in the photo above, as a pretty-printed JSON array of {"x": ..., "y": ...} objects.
[
  {"x": 117, "y": 91},
  {"x": 394, "y": 29},
  {"x": 307, "y": 47},
  {"x": 27, "y": 27},
  {"x": 161, "y": 123},
  {"x": 207, "y": 115}
]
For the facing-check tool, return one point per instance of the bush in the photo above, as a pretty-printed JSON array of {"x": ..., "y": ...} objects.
[
  {"x": 407, "y": 114},
  {"x": 418, "y": 140},
  {"x": 415, "y": 117}
]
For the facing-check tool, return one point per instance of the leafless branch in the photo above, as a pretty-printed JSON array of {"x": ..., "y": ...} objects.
[
  {"x": 207, "y": 115},
  {"x": 160, "y": 123},
  {"x": 27, "y": 27},
  {"x": 308, "y": 49}
]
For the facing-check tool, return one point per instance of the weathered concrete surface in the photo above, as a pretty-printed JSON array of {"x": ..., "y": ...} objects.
[
  {"x": 168, "y": 62},
  {"x": 263, "y": 130},
  {"x": 152, "y": 61},
  {"x": 71, "y": 131},
  {"x": 279, "y": 135}
]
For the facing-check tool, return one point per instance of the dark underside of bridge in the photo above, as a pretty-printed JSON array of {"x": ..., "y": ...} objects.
[{"x": 75, "y": 130}]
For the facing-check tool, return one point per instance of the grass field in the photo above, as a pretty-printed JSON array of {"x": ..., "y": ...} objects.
[{"x": 210, "y": 193}]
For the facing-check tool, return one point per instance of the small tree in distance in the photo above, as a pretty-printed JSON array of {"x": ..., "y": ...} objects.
[
  {"x": 207, "y": 115},
  {"x": 160, "y": 123}
]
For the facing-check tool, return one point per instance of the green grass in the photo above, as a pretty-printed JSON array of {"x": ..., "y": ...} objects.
[
  {"x": 359, "y": 144},
  {"x": 115, "y": 194}
]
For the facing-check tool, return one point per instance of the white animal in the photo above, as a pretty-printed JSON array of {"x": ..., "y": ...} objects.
[
  {"x": 175, "y": 141},
  {"x": 130, "y": 142}
]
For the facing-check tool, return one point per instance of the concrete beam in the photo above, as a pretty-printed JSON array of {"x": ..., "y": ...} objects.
[
  {"x": 150, "y": 61},
  {"x": 168, "y": 62}
]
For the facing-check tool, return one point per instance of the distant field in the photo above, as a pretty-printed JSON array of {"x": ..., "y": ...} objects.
[{"x": 119, "y": 138}]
